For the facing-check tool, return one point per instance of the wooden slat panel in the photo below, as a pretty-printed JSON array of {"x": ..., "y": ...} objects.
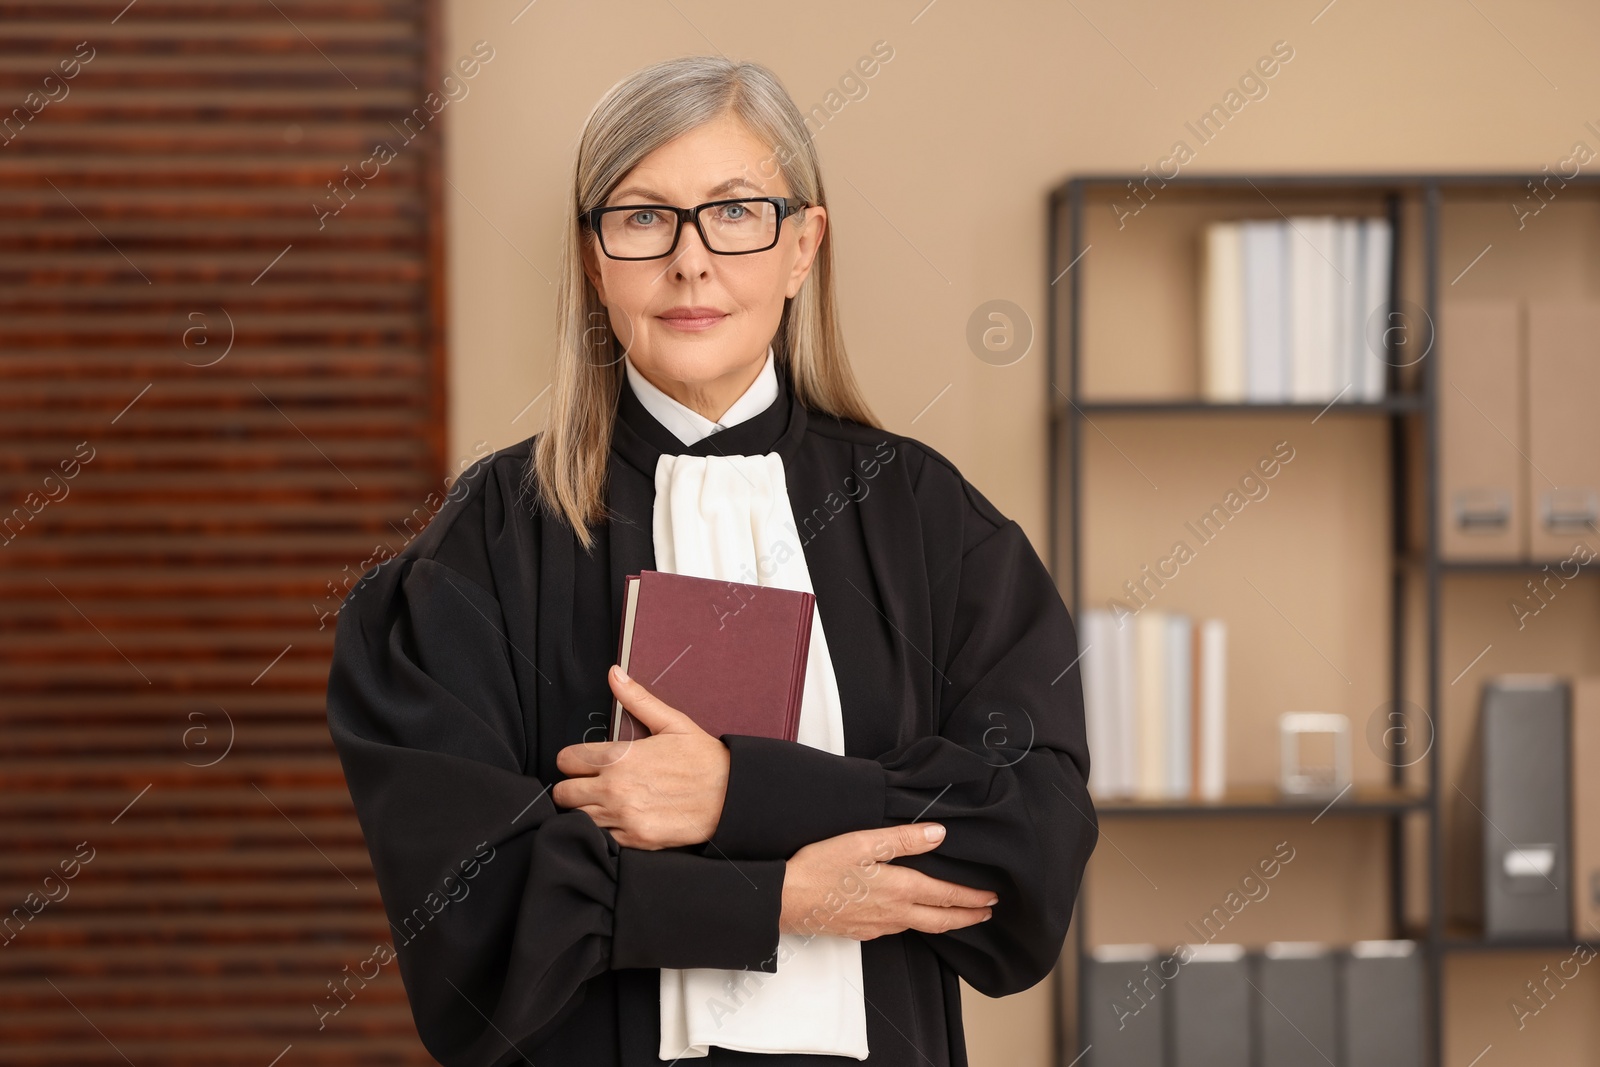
[{"x": 260, "y": 391}]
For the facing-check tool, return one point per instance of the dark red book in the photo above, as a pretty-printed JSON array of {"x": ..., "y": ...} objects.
[{"x": 730, "y": 655}]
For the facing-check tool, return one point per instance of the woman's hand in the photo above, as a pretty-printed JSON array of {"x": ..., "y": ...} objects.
[
  {"x": 846, "y": 886},
  {"x": 652, "y": 792}
]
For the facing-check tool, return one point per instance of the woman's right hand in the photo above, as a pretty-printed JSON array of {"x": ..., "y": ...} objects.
[{"x": 847, "y": 887}]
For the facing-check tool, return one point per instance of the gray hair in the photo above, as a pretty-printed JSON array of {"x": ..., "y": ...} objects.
[{"x": 640, "y": 113}]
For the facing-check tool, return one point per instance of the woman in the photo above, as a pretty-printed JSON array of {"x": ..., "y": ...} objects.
[{"x": 566, "y": 900}]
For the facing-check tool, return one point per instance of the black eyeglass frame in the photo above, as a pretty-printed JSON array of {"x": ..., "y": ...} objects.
[{"x": 786, "y": 206}]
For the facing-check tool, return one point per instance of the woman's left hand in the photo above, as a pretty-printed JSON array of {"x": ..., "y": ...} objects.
[{"x": 654, "y": 792}]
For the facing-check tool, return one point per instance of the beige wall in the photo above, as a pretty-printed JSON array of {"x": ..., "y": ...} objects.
[{"x": 938, "y": 178}]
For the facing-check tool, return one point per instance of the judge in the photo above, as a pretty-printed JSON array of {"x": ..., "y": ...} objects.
[{"x": 558, "y": 898}]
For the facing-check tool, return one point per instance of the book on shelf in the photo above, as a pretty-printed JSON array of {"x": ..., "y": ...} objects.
[
  {"x": 1222, "y": 323},
  {"x": 730, "y": 655},
  {"x": 1155, "y": 699},
  {"x": 1292, "y": 310},
  {"x": 1212, "y": 685},
  {"x": 1150, "y": 694}
]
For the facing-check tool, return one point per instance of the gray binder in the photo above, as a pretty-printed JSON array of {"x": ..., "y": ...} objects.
[
  {"x": 1526, "y": 843},
  {"x": 1210, "y": 1020},
  {"x": 1127, "y": 1000},
  {"x": 1381, "y": 1013},
  {"x": 1297, "y": 1005}
]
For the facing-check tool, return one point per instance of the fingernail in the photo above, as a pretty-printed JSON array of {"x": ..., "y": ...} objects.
[
  {"x": 933, "y": 832},
  {"x": 992, "y": 901},
  {"x": 622, "y": 676},
  {"x": 987, "y": 917}
]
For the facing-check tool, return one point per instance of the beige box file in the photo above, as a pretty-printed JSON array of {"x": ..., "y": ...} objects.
[
  {"x": 1586, "y": 807},
  {"x": 1482, "y": 435},
  {"x": 1563, "y": 427}
]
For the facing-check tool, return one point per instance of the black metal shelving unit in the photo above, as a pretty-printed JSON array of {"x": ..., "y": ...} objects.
[{"x": 1410, "y": 416}]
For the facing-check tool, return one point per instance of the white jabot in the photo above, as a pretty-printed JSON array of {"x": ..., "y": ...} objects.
[
  {"x": 688, "y": 424},
  {"x": 729, "y": 518}
]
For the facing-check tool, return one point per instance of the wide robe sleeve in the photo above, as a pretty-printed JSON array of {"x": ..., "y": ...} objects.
[
  {"x": 500, "y": 904},
  {"x": 1006, "y": 775}
]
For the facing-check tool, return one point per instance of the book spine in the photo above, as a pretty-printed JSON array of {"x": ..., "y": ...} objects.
[
  {"x": 1177, "y": 672},
  {"x": 1214, "y": 709},
  {"x": 1096, "y": 669},
  {"x": 616, "y": 705},
  {"x": 1125, "y": 687},
  {"x": 1221, "y": 313},
  {"x": 619, "y": 714},
  {"x": 1376, "y": 280},
  {"x": 797, "y": 685},
  {"x": 1150, "y": 638},
  {"x": 1266, "y": 296},
  {"x": 1355, "y": 361},
  {"x": 1344, "y": 382},
  {"x": 1196, "y": 704},
  {"x": 1303, "y": 275}
]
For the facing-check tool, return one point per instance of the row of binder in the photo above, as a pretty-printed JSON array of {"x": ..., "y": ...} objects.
[
  {"x": 1155, "y": 701},
  {"x": 1294, "y": 310},
  {"x": 1519, "y": 456},
  {"x": 1290, "y": 1005}
]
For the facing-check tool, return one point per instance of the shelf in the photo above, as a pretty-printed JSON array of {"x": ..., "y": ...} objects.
[
  {"x": 1149, "y": 371},
  {"x": 1267, "y": 801},
  {"x": 1412, "y": 560},
  {"x": 1469, "y": 939},
  {"x": 1344, "y": 183},
  {"x": 1396, "y": 405},
  {"x": 1462, "y": 942},
  {"x": 1504, "y": 566}
]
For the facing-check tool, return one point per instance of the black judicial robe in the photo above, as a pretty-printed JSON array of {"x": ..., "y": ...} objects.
[{"x": 462, "y": 665}]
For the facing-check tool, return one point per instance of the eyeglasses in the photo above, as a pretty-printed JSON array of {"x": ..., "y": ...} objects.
[{"x": 650, "y": 231}]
